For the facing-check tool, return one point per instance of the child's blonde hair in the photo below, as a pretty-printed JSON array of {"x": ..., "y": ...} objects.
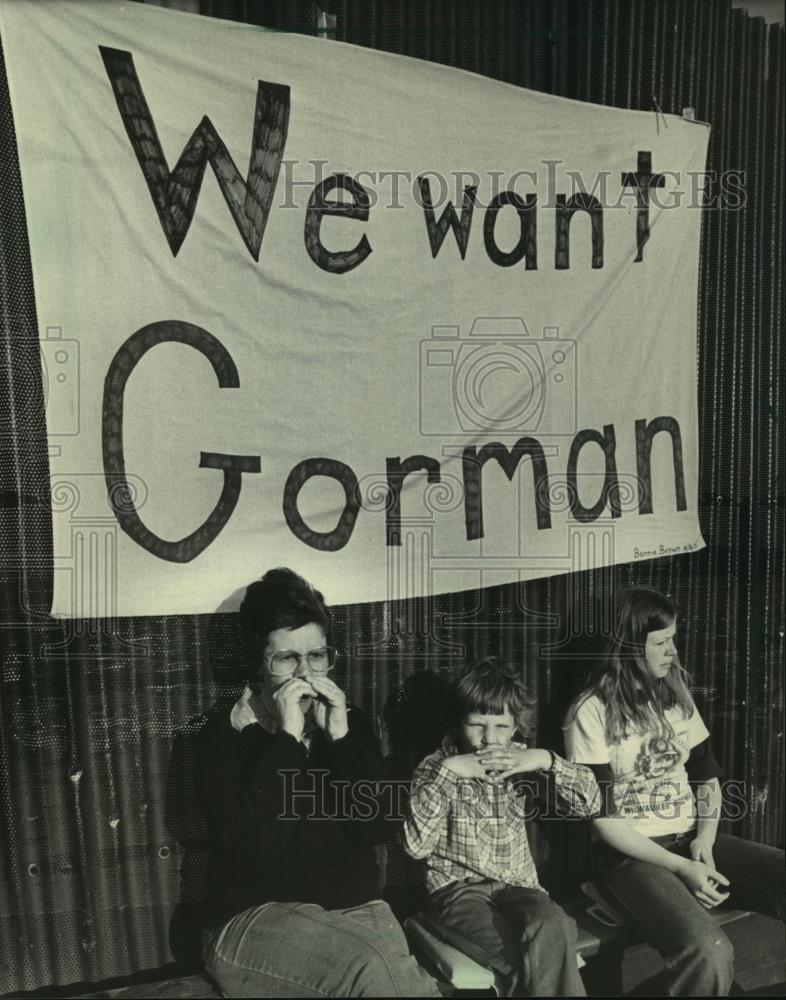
[{"x": 491, "y": 688}]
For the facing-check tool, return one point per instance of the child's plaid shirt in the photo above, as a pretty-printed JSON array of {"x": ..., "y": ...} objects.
[{"x": 466, "y": 828}]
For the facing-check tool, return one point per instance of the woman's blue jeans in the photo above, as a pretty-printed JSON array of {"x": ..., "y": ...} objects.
[
  {"x": 302, "y": 950},
  {"x": 698, "y": 955}
]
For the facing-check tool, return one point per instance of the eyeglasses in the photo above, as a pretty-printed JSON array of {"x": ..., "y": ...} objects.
[{"x": 286, "y": 662}]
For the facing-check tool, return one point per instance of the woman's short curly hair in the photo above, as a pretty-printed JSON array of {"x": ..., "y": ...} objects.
[{"x": 281, "y": 599}]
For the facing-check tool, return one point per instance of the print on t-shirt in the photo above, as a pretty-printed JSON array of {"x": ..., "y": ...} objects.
[
  {"x": 648, "y": 767},
  {"x": 656, "y": 757},
  {"x": 650, "y": 777}
]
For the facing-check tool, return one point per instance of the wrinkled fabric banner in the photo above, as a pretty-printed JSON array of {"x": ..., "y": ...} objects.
[{"x": 402, "y": 328}]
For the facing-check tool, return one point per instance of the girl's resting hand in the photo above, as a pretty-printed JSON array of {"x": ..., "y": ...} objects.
[
  {"x": 701, "y": 850},
  {"x": 703, "y": 882}
]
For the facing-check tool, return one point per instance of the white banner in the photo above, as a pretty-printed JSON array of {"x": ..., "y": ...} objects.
[{"x": 402, "y": 328}]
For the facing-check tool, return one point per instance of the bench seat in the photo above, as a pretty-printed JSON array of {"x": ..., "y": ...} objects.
[
  {"x": 454, "y": 957},
  {"x": 194, "y": 987},
  {"x": 444, "y": 951}
]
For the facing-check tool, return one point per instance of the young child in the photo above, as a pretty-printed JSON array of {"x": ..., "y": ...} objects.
[{"x": 466, "y": 818}]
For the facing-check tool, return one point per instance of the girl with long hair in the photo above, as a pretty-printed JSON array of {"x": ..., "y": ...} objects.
[{"x": 658, "y": 852}]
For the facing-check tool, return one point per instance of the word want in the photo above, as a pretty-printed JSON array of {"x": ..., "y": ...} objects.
[{"x": 175, "y": 193}]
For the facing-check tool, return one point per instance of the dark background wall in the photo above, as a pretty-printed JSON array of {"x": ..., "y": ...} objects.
[{"x": 99, "y": 837}]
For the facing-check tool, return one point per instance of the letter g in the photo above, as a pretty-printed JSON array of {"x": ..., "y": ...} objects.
[{"x": 118, "y": 490}]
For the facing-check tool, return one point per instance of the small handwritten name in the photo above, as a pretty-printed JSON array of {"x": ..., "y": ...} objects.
[{"x": 663, "y": 550}]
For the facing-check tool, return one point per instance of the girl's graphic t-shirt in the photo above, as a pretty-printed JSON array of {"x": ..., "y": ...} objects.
[{"x": 648, "y": 767}]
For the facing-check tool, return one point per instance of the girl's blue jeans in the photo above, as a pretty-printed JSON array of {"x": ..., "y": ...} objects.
[{"x": 697, "y": 953}]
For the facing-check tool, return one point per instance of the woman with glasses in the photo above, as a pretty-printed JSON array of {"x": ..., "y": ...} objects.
[{"x": 294, "y": 907}]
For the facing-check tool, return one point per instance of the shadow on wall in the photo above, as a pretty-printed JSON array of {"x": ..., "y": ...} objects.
[
  {"x": 561, "y": 847},
  {"x": 415, "y": 720},
  {"x": 184, "y": 820}
]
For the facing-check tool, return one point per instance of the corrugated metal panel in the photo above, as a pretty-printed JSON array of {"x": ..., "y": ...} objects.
[
  {"x": 667, "y": 56},
  {"x": 100, "y": 837}
]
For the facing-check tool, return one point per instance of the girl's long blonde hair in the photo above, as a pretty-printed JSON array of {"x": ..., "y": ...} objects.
[{"x": 635, "y": 700}]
